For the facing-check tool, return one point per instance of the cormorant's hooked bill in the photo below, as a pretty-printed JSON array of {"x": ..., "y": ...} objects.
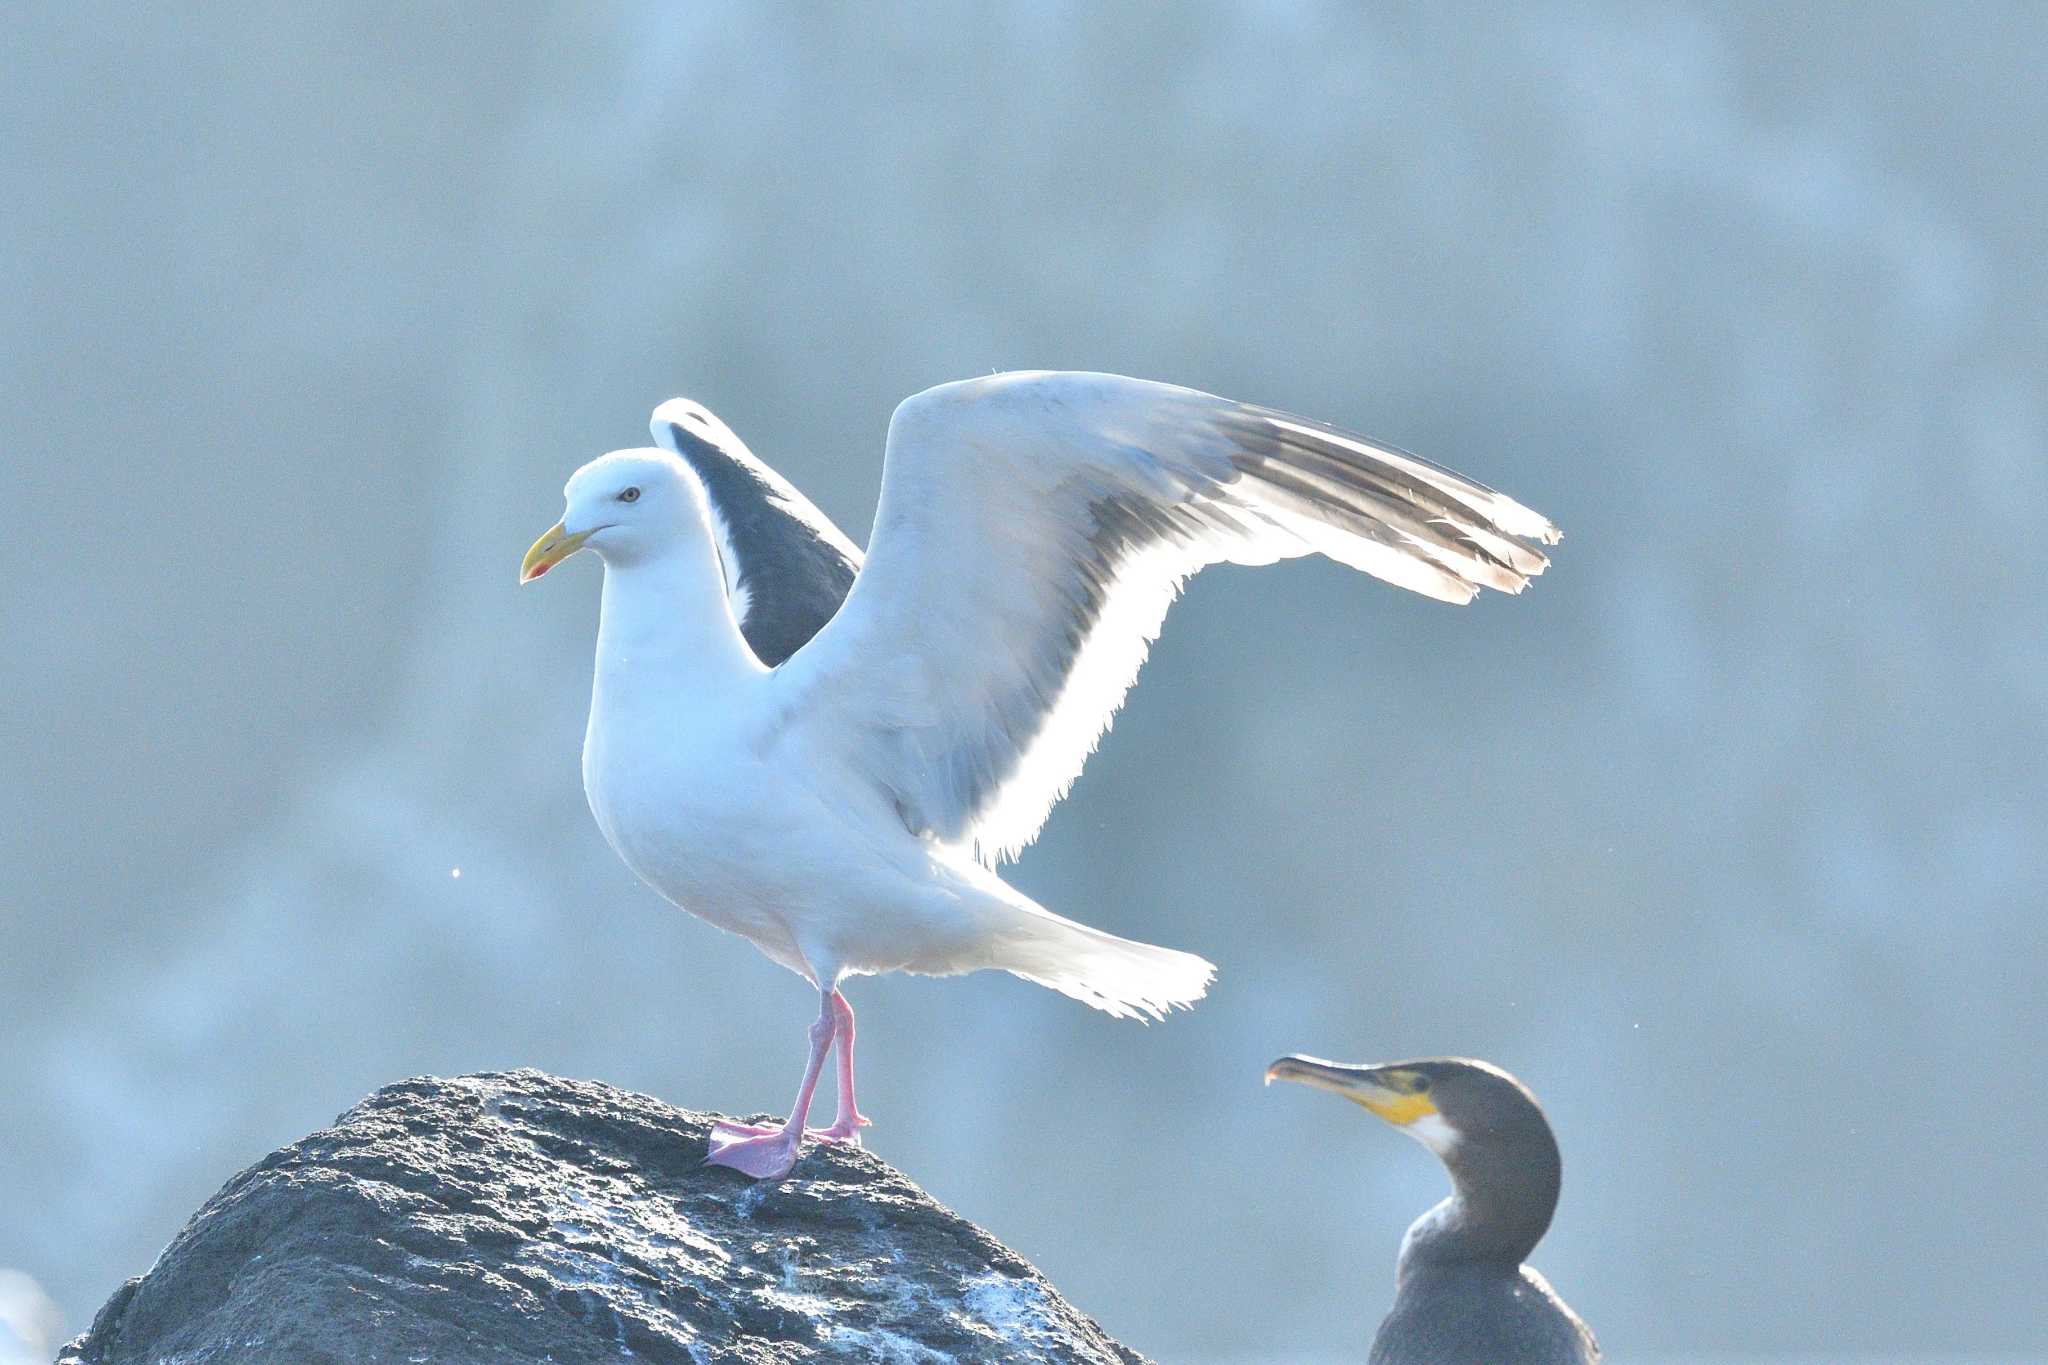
[{"x": 1398, "y": 1093}]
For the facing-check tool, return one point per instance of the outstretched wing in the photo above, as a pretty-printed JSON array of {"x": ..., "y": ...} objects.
[
  {"x": 1032, "y": 531},
  {"x": 787, "y": 567}
]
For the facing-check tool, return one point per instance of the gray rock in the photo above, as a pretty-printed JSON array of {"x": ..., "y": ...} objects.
[{"x": 520, "y": 1217}]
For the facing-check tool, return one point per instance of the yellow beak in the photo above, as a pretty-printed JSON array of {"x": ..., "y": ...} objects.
[{"x": 554, "y": 546}]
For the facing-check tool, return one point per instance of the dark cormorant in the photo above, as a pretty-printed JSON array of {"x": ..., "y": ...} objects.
[{"x": 1463, "y": 1296}]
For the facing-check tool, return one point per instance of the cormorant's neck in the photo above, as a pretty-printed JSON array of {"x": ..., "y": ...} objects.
[
  {"x": 665, "y": 623},
  {"x": 1503, "y": 1192}
]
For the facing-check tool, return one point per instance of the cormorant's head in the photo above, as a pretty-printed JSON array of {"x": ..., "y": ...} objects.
[
  {"x": 1441, "y": 1102},
  {"x": 1484, "y": 1126}
]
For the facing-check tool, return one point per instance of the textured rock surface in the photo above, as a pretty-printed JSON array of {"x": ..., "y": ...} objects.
[{"x": 520, "y": 1217}]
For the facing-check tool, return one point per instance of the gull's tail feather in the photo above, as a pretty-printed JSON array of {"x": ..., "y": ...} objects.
[{"x": 1119, "y": 976}]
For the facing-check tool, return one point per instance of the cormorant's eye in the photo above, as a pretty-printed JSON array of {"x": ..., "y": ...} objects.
[
  {"x": 1420, "y": 1085},
  {"x": 630, "y": 495}
]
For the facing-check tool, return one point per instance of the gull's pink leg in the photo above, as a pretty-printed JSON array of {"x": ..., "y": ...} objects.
[
  {"x": 770, "y": 1155},
  {"x": 845, "y": 1128}
]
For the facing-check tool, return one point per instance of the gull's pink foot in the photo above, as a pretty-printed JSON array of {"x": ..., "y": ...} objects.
[
  {"x": 766, "y": 1156},
  {"x": 771, "y": 1153},
  {"x": 842, "y": 1130},
  {"x": 726, "y": 1128}
]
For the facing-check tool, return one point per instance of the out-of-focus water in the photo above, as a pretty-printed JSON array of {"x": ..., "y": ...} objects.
[
  {"x": 1725, "y": 837},
  {"x": 28, "y": 1320}
]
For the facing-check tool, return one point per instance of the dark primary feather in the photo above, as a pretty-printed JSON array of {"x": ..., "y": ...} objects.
[
  {"x": 1389, "y": 496},
  {"x": 792, "y": 567}
]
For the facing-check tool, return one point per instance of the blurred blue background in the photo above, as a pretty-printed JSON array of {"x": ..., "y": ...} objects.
[{"x": 1725, "y": 837}]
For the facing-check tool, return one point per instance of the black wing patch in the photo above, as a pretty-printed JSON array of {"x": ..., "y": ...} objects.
[{"x": 787, "y": 566}]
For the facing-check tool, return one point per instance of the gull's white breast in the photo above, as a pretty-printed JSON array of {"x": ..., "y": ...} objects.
[
  {"x": 694, "y": 812},
  {"x": 711, "y": 808}
]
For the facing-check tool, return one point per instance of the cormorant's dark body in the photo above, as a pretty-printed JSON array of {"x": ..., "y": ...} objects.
[{"x": 1478, "y": 1314}]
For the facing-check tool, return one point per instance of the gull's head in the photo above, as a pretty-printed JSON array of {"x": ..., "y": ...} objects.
[
  {"x": 624, "y": 506},
  {"x": 1441, "y": 1102}
]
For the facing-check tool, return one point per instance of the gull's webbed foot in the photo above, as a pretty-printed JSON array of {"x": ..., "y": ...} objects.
[
  {"x": 725, "y": 1130},
  {"x": 843, "y": 1129},
  {"x": 771, "y": 1153},
  {"x": 768, "y": 1155}
]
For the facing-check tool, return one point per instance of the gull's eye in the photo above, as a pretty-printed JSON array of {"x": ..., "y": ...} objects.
[{"x": 630, "y": 495}]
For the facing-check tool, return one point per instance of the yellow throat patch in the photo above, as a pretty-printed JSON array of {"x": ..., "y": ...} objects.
[{"x": 1399, "y": 1110}]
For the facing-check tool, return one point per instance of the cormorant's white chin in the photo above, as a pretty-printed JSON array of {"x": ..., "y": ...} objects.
[{"x": 1432, "y": 1132}]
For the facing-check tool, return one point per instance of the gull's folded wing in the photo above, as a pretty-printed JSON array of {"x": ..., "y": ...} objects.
[
  {"x": 1033, "y": 529},
  {"x": 787, "y": 567}
]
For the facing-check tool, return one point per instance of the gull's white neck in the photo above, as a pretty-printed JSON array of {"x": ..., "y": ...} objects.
[{"x": 666, "y": 635}]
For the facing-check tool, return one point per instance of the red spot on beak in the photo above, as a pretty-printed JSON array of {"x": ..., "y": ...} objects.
[{"x": 538, "y": 571}]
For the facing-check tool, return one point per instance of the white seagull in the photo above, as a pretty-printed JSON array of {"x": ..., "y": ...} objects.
[{"x": 830, "y": 758}]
